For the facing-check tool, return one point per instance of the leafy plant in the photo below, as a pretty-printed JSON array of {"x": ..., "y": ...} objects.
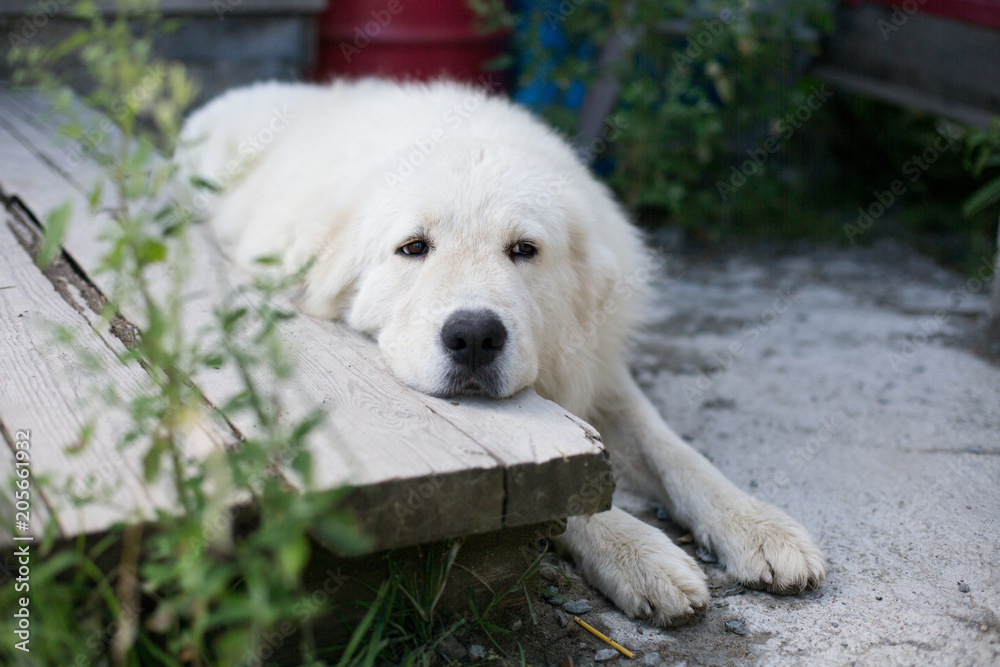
[
  {"x": 716, "y": 127},
  {"x": 208, "y": 582},
  {"x": 700, "y": 86},
  {"x": 403, "y": 626},
  {"x": 982, "y": 154}
]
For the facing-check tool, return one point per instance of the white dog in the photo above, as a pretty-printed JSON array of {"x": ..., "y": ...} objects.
[{"x": 473, "y": 244}]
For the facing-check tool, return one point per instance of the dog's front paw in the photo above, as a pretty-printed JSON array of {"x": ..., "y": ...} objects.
[
  {"x": 667, "y": 588},
  {"x": 644, "y": 573},
  {"x": 764, "y": 548}
]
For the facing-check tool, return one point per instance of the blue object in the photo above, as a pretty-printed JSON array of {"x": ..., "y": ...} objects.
[{"x": 541, "y": 91}]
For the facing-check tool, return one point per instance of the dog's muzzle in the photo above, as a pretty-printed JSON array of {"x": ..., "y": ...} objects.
[{"x": 473, "y": 340}]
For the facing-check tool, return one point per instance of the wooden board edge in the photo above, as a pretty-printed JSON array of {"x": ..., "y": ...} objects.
[
  {"x": 553, "y": 490},
  {"x": 406, "y": 512}
]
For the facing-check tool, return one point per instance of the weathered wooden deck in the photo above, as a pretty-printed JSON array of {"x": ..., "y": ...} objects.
[{"x": 422, "y": 469}]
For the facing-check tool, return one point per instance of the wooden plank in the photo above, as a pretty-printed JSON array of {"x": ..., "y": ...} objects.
[
  {"x": 44, "y": 389},
  {"x": 936, "y": 64},
  {"x": 904, "y": 96},
  {"x": 541, "y": 454},
  {"x": 422, "y": 468}
]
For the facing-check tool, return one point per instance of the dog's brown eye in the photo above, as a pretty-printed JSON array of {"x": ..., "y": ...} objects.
[
  {"x": 414, "y": 248},
  {"x": 522, "y": 250}
]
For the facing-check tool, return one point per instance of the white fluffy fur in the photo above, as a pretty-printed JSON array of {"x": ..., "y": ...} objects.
[{"x": 348, "y": 173}]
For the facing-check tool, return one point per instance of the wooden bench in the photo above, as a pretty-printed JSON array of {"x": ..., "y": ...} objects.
[{"x": 421, "y": 469}]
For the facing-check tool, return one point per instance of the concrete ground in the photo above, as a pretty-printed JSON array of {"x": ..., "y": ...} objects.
[{"x": 856, "y": 403}]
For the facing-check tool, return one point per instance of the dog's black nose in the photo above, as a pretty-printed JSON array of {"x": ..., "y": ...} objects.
[{"x": 473, "y": 338}]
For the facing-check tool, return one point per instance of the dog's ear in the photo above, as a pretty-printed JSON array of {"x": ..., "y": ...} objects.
[
  {"x": 331, "y": 280},
  {"x": 608, "y": 297}
]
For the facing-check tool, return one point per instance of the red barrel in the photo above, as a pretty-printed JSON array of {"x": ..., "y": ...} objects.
[{"x": 404, "y": 39}]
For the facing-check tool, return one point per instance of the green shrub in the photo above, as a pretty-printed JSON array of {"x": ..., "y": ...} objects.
[
  {"x": 703, "y": 90},
  {"x": 717, "y": 127},
  {"x": 202, "y": 586}
]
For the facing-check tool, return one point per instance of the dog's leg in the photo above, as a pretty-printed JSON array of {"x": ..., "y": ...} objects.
[
  {"x": 759, "y": 545},
  {"x": 636, "y": 566}
]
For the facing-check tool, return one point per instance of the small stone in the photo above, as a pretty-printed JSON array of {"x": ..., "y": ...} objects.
[
  {"x": 577, "y": 606},
  {"x": 650, "y": 660},
  {"x": 753, "y": 484},
  {"x": 605, "y": 654},
  {"x": 477, "y": 652},
  {"x": 563, "y": 618},
  {"x": 662, "y": 514},
  {"x": 835, "y": 624},
  {"x": 963, "y": 587},
  {"x": 452, "y": 649},
  {"x": 516, "y": 625},
  {"x": 878, "y": 597},
  {"x": 736, "y": 627},
  {"x": 552, "y": 595},
  {"x": 549, "y": 573},
  {"x": 705, "y": 555}
]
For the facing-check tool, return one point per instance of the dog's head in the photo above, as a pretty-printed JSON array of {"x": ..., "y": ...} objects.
[{"x": 479, "y": 272}]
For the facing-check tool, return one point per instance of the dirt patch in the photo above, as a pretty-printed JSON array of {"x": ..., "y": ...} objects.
[{"x": 546, "y": 634}]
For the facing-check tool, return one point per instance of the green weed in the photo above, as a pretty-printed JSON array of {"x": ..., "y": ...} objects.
[{"x": 208, "y": 581}]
